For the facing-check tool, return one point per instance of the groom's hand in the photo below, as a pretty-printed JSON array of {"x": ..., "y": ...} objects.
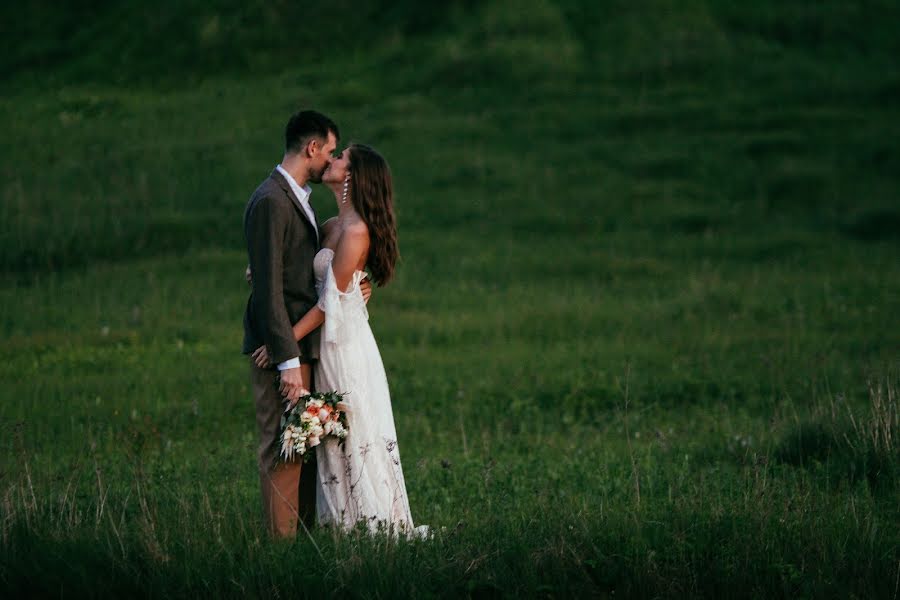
[
  {"x": 291, "y": 384},
  {"x": 366, "y": 288},
  {"x": 261, "y": 357}
]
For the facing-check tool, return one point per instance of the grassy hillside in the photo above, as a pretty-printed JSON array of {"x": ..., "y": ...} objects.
[{"x": 643, "y": 340}]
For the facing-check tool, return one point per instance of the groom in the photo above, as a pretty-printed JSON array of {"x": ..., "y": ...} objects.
[{"x": 282, "y": 240}]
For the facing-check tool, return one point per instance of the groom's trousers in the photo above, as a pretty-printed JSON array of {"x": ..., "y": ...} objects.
[{"x": 288, "y": 490}]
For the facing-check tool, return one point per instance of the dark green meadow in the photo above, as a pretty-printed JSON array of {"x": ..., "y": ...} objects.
[{"x": 644, "y": 339}]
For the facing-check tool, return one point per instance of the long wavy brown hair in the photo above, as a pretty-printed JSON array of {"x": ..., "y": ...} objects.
[{"x": 372, "y": 194}]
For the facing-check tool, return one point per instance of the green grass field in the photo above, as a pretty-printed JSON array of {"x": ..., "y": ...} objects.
[{"x": 644, "y": 339}]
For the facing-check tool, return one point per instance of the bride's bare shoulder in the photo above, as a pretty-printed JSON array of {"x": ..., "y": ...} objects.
[
  {"x": 328, "y": 226},
  {"x": 357, "y": 227},
  {"x": 355, "y": 238}
]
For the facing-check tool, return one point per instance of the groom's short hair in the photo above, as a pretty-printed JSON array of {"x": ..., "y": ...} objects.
[{"x": 304, "y": 125}]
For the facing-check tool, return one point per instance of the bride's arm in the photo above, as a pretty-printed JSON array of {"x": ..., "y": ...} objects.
[{"x": 351, "y": 248}]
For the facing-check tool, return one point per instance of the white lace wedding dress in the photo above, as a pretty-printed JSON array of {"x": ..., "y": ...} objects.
[{"x": 361, "y": 480}]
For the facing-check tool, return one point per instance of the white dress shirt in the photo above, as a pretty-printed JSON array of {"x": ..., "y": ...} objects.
[{"x": 302, "y": 194}]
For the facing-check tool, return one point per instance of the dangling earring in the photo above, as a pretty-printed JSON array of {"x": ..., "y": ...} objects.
[{"x": 346, "y": 187}]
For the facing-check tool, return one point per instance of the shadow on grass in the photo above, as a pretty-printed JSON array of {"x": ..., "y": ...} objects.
[
  {"x": 874, "y": 226},
  {"x": 846, "y": 447}
]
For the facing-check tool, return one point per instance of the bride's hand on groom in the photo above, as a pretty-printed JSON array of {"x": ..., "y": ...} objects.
[
  {"x": 261, "y": 357},
  {"x": 366, "y": 288}
]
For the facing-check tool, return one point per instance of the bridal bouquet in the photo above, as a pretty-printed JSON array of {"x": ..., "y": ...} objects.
[{"x": 312, "y": 418}]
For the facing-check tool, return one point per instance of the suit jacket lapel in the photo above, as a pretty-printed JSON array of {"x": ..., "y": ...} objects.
[{"x": 296, "y": 201}]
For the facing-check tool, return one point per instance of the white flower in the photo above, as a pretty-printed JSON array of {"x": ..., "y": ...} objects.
[
  {"x": 305, "y": 416},
  {"x": 323, "y": 414},
  {"x": 328, "y": 427},
  {"x": 315, "y": 421}
]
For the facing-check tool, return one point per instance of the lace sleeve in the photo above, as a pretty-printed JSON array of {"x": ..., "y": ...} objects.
[
  {"x": 330, "y": 304},
  {"x": 342, "y": 309}
]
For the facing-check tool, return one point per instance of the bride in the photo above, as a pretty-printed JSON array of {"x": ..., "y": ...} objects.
[{"x": 360, "y": 480}]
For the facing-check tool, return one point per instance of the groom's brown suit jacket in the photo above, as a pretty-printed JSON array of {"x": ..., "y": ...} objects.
[{"x": 281, "y": 243}]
